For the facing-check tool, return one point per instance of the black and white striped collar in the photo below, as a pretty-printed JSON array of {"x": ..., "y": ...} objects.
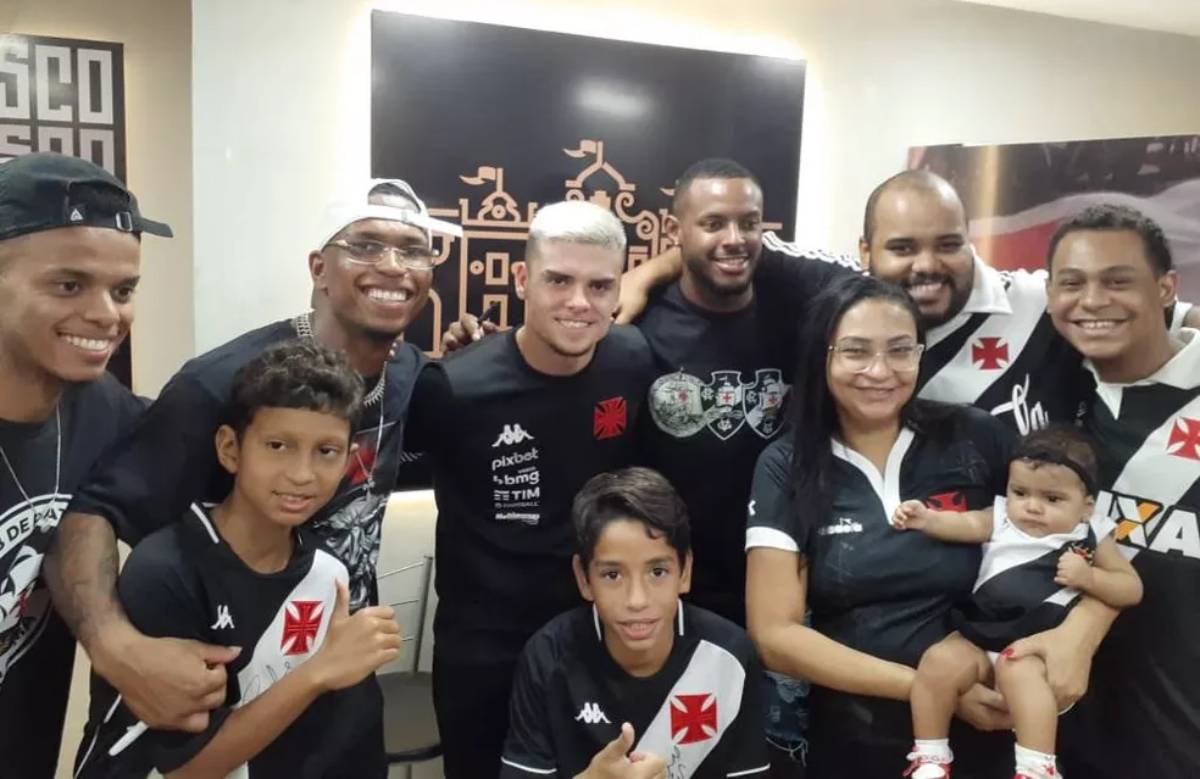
[
  {"x": 206, "y": 521},
  {"x": 200, "y": 510}
]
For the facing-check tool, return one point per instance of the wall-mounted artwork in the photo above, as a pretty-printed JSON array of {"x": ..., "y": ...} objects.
[{"x": 490, "y": 122}]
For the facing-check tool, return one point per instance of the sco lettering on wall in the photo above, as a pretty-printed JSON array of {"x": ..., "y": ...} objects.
[{"x": 63, "y": 95}]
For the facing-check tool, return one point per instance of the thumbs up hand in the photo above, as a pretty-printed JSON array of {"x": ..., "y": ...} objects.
[
  {"x": 355, "y": 646},
  {"x": 615, "y": 762}
]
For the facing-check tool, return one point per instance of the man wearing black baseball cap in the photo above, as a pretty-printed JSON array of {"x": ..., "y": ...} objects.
[{"x": 69, "y": 255}]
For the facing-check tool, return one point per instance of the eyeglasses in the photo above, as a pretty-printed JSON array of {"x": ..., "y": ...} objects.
[
  {"x": 366, "y": 252},
  {"x": 900, "y": 358}
]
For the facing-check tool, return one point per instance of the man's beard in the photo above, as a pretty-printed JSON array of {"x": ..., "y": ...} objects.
[{"x": 958, "y": 298}]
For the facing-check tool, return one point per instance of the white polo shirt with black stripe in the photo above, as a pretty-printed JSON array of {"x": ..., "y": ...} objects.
[{"x": 702, "y": 712}]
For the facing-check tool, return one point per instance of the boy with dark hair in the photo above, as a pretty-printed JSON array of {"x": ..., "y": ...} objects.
[
  {"x": 682, "y": 681},
  {"x": 301, "y": 698}
]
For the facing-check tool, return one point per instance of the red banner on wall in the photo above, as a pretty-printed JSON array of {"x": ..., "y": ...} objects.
[{"x": 1016, "y": 195}]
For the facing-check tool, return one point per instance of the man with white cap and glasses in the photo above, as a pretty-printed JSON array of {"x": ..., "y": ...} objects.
[{"x": 371, "y": 277}]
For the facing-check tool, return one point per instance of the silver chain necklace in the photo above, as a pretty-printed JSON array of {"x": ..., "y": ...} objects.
[
  {"x": 37, "y": 519},
  {"x": 303, "y": 327}
]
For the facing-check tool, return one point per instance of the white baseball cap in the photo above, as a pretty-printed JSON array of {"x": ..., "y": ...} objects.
[{"x": 353, "y": 206}]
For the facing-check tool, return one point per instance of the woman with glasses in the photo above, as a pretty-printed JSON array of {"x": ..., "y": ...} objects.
[{"x": 819, "y": 536}]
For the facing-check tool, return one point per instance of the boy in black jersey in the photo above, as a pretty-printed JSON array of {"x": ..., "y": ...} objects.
[
  {"x": 1043, "y": 545},
  {"x": 301, "y": 698},
  {"x": 638, "y": 664}
]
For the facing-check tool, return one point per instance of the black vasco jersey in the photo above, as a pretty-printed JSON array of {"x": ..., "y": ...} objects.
[
  {"x": 1143, "y": 705},
  {"x": 185, "y": 581},
  {"x": 718, "y": 398},
  {"x": 510, "y": 447},
  {"x": 36, "y": 649},
  {"x": 702, "y": 712},
  {"x": 875, "y": 589},
  {"x": 168, "y": 460}
]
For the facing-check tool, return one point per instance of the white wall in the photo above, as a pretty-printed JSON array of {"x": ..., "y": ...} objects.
[
  {"x": 158, "y": 126},
  {"x": 281, "y": 105}
]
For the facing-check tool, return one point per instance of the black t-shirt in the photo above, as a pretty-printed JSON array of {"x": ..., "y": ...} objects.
[
  {"x": 169, "y": 459},
  {"x": 702, "y": 712},
  {"x": 510, "y": 448},
  {"x": 718, "y": 399},
  {"x": 870, "y": 587},
  {"x": 185, "y": 581},
  {"x": 1142, "y": 711},
  {"x": 36, "y": 649}
]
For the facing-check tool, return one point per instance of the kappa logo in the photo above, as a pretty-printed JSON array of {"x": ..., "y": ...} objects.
[
  {"x": 224, "y": 620},
  {"x": 693, "y": 718},
  {"x": 512, "y": 435},
  {"x": 301, "y": 621},
  {"x": 591, "y": 714},
  {"x": 990, "y": 353},
  {"x": 947, "y": 501},
  {"x": 682, "y": 405},
  {"x": 1185, "y": 438},
  {"x": 609, "y": 418}
]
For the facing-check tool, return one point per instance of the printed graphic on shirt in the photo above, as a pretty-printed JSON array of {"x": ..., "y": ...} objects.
[
  {"x": 683, "y": 405},
  {"x": 609, "y": 418},
  {"x": 297, "y": 630},
  {"x": 351, "y": 532},
  {"x": 702, "y": 704},
  {"x": 25, "y": 532},
  {"x": 516, "y": 478},
  {"x": 987, "y": 360},
  {"x": 1166, "y": 459}
]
